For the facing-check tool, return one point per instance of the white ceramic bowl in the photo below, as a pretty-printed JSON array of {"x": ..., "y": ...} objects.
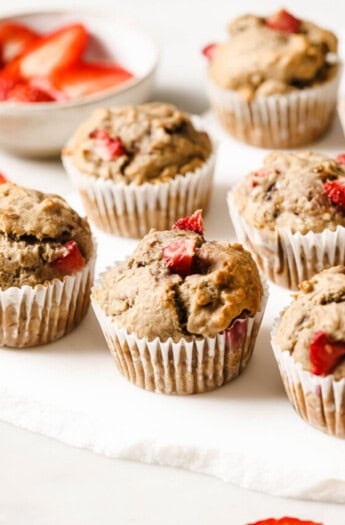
[{"x": 42, "y": 129}]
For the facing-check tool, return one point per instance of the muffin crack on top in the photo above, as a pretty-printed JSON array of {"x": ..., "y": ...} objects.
[{"x": 137, "y": 144}]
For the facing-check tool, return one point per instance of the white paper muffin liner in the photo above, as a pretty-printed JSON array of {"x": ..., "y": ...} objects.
[
  {"x": 288, "y": 258},
  {"x": 318, "y": 400},
  {"x": 277, "y": 121},
  {"x": 131, "y": 210},
  {"x": 185, "y": 367},
  {"x": 36, "y": 315}
]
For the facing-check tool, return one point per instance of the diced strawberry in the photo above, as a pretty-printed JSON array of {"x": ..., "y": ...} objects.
[
  {"x": 179, "y": 256},
  {"x": 340, "y": 159},
  {"x": 24, "y": 92},
  {"x": 15, "y": 39},
  {"x": 208, "y": 51},
  {"x": 193, "y": 223},
  {"x": 284, "y": 521},
  {"x": 86, "y": 79},
  {"x": 335, "y": 190},
  {"x": 325, "y": 354},
  {"x": 51, "y": 53},
  {"x": 284, "y": 21},
  {"x": 71, "y": 260},
  {"x": 3, "y": 179},
  {"x": 106, "y": 147}
]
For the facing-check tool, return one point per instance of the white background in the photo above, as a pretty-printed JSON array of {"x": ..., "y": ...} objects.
[{"x": 44, "y": 482}]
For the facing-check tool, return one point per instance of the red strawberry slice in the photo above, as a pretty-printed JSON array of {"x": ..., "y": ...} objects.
[
  {"x": 7, "y": 83},
  {"x": 15, "y": 39},
  {"x": 325, "y": 354},
  {"x": 284, "y": 21},
  {"x": 179, "y": 256},
  {"x": 3, "y": 179},
  {"x": 87, "y": 79},
  {"x": 340, "y": 159},
  {"x": 193, "y": 223},
  {"x": 44, "y": 84},
  {"x": 25, "y": 93},
  {"x": 71, "y": 260},
  {"x": 51, "y": 53},
  {"x": 208, "y": 51},
  {"x": 335, "y": 190},
  {"x": 284, "y": 521},
  {"x": 106, "y": 147}
]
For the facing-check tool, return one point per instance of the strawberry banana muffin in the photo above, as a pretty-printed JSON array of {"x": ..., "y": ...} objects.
[
  {"x": 274, "y": 83},
  {"x": 309, "y": 345},
  {"x": 181, "y": 315},
  {"x": 46, "y": 266},
  {"x": 291, "y": 214},
  {"x": 140, "y": 167}
]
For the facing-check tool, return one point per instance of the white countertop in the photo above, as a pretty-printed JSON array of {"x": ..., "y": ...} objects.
[{"x": 45, "y": 482}]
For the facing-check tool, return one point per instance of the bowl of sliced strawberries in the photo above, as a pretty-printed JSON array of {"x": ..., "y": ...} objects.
[{"x": 57, "y": 66}]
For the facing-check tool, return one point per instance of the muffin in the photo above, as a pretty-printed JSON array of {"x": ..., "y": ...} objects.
[
  {"x": 140, "y": 167},
  {"x": 309, "y": 345},
  {"x": 46, "y": 267},
  {"x": 291, "y": 214},
  {"x": 181, "y": 315},
  {"x": 274, "y": 83}
]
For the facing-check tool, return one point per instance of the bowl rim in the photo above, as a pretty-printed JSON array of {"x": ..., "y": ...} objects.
[{"x": 128, "y": 22}]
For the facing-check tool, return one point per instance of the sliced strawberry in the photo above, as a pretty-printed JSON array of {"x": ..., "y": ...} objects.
[
  {"x": 325, "y": 354},
  {"x": 208, "y": 51},
  {"x": 284, "y": 521},
  {"x": 193, "y": 223},
  {"x": 71, "y": 260},
  {"x": 284, "y": 21},
  {"x": 44, "y": 84},
  {"x": 15, "y": 39},
  {"x": 51, "y": 53},
  {"x": 87, "y": 79},
  {"x": 335, "y": 190},
  {"x": 24, "y": 92},
  {"x": 179, "y": 256},
  {"x": 7, "y": 83},
  {"x": 340, "y": 159},
  {"x": 106, "y": 147},
  {"x": 3, "y": 179}
]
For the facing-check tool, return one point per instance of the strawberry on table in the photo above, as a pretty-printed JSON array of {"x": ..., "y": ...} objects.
[
  {"x": 71, "y": 260},
  {"x": 88, "y": 78},
  {"x": 285, "y": 521},
  {"x": 193, "y": 223},
  {"x": 15, "y": 39},
  {"x": 325, "y": 354},
  {"x": 284, "y": 21},
  {"x": 58, "y": 50},
  {"x": 335, "y": 190},
  {"x": 208, "y": 51},
  {"x": 179, "y": 256},
  {"x": 106, "y": 147}
]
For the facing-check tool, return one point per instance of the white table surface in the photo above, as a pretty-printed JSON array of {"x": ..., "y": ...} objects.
[{"x": 45, "y": 482}]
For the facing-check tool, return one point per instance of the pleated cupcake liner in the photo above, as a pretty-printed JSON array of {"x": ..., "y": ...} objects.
[
  {"x": 36, "y": 315},
  {"x": 285, "y": 257},
  {"x": 131, "y": 210},
  {"x": 277, "y": 121},
  {"x": 187, "y": 366},
  {"x": 319, "y": 400}
]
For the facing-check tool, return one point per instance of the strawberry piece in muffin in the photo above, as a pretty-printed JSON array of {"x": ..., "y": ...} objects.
[
  {"x": 208, "y": 51},
  {"x": 340, "y": 159},
  {"x": 2, "y": 179},
  {"x": 284, "y": 21},
  {"x": 193, "y": 223},
  {"x": 335, "y": 190},
  {"x": 179, "y": 256},
  {"x": 325, "y": 354},
  {"x": 71, "y": 260},
  {"x": 106, "y": 147}
]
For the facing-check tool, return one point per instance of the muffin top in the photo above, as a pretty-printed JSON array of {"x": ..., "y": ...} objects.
[
  {"x": 312, "y": 328},
  {"x": 41, "y": 237},
  {"x": 147, "y": 143},
  {"x": 302, "y": 191},
  {"x": 274, "y": 55},
  {"x": 176, "y": 284}
]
